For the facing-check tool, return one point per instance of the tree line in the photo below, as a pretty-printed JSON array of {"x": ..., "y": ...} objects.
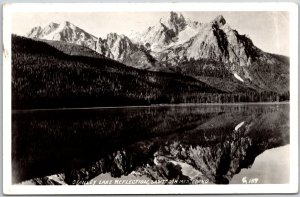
[{"x": 45, "y": 78}]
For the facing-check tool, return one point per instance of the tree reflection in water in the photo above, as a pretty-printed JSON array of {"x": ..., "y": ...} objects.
[{"x": 190, "y": 144}]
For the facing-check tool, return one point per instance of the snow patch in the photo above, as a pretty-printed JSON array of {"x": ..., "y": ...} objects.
[
  {"x": 239, "y": 125},
  {"x": 238, "y": 77},
  {"x": 185, "y": 35},
  {"x": 155, "y": 161},
  {"x": 54, "y": 32}
]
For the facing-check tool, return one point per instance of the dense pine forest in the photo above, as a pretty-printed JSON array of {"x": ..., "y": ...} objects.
[{"x": 45, "y": 77}]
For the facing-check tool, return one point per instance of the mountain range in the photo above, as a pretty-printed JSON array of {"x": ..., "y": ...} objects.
[{"x": 211, "y": 53}]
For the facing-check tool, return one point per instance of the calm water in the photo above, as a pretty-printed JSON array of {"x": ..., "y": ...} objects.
[{"x": 195, "y": 144}]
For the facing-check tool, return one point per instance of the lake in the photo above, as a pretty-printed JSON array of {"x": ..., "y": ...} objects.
[{"x": 172, "y": 144}]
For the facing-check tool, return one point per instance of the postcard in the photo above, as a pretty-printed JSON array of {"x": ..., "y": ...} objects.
[{"x": 150, "y": 98}]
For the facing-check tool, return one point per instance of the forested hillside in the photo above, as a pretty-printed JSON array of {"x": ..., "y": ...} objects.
[{"x": 43, "y": 77}]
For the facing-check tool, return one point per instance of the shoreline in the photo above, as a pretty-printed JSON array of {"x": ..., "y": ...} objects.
[
  {"x": 270, "y": 161},
  {"x": 154, "y": 105}
]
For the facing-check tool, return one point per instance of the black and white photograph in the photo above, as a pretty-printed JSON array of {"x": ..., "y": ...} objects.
[{"x": 105, "y": 97}]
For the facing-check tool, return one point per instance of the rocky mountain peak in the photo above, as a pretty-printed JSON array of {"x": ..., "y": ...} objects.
[
  {"x": 66, "y": 32},
  {"x": 115, "y": 46},
  {"x": 175, "y": 21},
  {"x": 69, "y": 25},
  {"x": 217, "y": 41},
  {"x": 219, "y": 21},
  {"x": 50, "y": 28},
  {"x": 66, "y": 23},
  {"x": 170, "y": 30},
  {"x": 122, "y": 49},
  {"x": 34, "y": 32},
  {"x": 176, "y": 17},
  {"x": 53, "y": 25},
  {"x": 113, "y": 36}
]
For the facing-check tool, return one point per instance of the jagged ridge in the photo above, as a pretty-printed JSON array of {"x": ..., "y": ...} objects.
[{"x": 176, "y": 42}]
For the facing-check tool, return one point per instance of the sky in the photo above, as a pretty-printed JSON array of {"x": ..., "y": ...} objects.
[{"x": 268, "y": 30}]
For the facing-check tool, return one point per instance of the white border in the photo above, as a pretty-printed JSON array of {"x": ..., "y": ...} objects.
[{"x": 9, "y": 9}]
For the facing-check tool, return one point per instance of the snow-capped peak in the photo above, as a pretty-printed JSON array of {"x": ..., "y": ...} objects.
[
  {"x": 64, "y": 31},
  {"x": 219, "y": 21},
  {"x": 171, "y": 30},
  {"x": 175, "y": 22}
]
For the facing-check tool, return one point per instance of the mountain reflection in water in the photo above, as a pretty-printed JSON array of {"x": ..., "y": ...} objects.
[{"x": 189, "y": 144}]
